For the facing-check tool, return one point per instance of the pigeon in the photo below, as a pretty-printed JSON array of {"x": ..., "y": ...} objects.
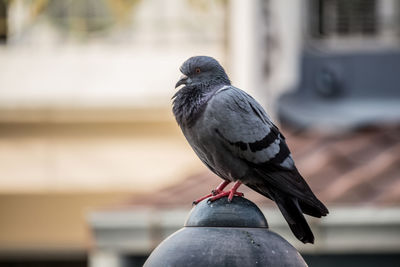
[{"x": 235, "y": 138}]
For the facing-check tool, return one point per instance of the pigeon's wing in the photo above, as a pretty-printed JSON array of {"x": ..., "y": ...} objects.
[{"x": 246, "y": 131}]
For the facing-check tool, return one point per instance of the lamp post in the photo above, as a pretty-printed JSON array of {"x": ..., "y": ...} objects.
[{"x": 225, "y": 234}]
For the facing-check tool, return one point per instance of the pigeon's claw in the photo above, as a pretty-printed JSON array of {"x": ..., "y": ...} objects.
[
  {"x": 202, "y": 198},
  {"x": 215, "y": 192},
  {"x": 231, "y": 193}
]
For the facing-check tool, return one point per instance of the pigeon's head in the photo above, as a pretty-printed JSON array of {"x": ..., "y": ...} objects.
[{"x": 202, "y": 71}]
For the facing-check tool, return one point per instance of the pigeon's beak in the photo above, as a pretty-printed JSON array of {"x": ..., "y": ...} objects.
[{"x": 183, "y": 80}]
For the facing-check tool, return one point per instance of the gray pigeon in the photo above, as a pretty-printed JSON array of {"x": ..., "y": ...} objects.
[{"x": 234, "y": 137}]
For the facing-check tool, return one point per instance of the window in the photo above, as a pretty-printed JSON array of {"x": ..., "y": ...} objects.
[
  {"x": 354, "y": 23},
  {"x": 344, "y": 17}
]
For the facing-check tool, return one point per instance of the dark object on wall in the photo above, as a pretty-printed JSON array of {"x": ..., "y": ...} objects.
[
  {"x": 348, "y": 76},
  {"x": 344, "y": 90},
  {"x": 225, "y": 234}
]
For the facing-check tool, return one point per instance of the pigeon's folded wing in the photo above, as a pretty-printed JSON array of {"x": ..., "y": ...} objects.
[
  {"x": 246, "y": 131},
  {"x": 245, "y": 128}
]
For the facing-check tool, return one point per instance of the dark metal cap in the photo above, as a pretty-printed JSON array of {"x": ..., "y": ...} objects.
[
  {"x": 225, "y": 234},
  {"x": 241, "y": 212}
]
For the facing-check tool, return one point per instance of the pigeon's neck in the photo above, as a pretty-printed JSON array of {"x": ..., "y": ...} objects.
[{"x": 190, "y": 102}]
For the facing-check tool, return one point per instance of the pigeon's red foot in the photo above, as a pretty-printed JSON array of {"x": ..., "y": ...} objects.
[
  {"x": 201, "y": 199},
  {"x": 218, "y": 193},
  {"x": 231, "y": 193},
  {"x": 215, "y": 192}
]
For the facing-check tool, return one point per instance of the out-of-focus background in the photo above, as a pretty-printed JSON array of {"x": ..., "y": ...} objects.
[{"x": 94, "y": 170}]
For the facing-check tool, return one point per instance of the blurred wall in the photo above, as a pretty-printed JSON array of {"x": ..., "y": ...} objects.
[{"x": 85, "y": 116}]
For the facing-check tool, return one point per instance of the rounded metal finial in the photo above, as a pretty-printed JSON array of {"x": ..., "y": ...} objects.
[
  {"x": 225, "y": 234},
  {"x": 241, "y": 212}
]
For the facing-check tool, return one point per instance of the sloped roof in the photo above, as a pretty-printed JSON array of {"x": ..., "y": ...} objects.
[{"x": 353, "y": 168}]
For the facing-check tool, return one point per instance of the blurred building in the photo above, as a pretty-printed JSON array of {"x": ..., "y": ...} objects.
[
  {"x": 85, "y": 119},
  {"x": 328, "y": 67},
  {"x": 94, "y": 169}
]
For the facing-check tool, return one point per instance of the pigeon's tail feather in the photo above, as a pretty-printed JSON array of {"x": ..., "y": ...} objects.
[
  {"x": 291, "y": 211},
  {"x": 291, "y": 183},
  {"x": 309, "y": 203},
  {"x": 317, "y": 210},
  {"x": 293, "y": 214}
]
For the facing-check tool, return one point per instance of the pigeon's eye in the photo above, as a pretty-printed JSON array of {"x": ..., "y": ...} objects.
[{"x": 197, "y": 70}]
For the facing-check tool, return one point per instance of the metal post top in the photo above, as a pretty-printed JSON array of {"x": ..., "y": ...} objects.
[
  {"x": 225, "y": 234},
  {"x": 241, "y": 212}
]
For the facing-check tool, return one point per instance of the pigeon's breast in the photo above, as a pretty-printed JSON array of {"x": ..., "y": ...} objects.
[
  {"x": 188, "y": 106},
  {"x": 208, "y": 146}
]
